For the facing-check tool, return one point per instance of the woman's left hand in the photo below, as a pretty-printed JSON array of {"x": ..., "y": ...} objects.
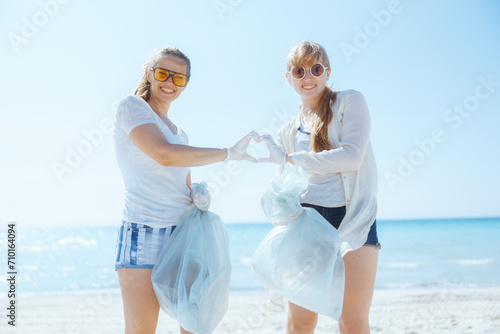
[{"x": 201, "y": 199}]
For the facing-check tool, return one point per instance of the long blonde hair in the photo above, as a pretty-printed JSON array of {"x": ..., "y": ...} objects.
[
  {"x": 308, "y": 54},
  {"x": 144, "y": 88}
]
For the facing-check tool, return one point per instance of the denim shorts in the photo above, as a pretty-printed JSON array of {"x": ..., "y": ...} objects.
[
  {"x": 138, "y": 245},
  {"x": 335, "y": 215}
]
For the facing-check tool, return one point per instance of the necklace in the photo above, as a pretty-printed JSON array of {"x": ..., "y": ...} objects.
[
  {"x": 303, "y": 131},
  {"x": 302, "y": 123}
]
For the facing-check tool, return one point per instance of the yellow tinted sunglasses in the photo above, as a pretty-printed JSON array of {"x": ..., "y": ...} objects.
[{"x": 162, "y": 74}]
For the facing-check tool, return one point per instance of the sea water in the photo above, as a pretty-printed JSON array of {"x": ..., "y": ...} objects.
[{"x": 414, "y": 254}]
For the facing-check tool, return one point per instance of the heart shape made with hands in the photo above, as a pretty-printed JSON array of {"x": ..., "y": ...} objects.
[{"x": 258, "y": 149}]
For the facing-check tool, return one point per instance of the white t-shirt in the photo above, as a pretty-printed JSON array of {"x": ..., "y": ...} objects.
[
  {"x": 324, "y": 190},
  {"x": 155, "y": 195}
]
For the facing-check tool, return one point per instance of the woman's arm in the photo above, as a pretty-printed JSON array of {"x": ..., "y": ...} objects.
[
  {"x": 149, "y": 138},
  {"x": 136, "y": 118},
  {"x": 353, "y": 142}
]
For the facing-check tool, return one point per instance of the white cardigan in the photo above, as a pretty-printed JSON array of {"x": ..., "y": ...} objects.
[{"x": 352, "y": 156}]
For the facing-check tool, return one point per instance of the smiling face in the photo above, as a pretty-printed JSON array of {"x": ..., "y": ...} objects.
[
  {"x": 164, "y": 93},
  {"x": 309, "y": 87}
]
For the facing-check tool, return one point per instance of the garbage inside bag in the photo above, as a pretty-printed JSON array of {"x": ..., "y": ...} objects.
[
  {"x": 282, "y": 197},
  {"x": 191, "y": 276},
  {"x": 300, "y": 259}
]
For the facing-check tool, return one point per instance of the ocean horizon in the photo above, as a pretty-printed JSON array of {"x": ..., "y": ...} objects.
[{"x": 423, "y": 253}]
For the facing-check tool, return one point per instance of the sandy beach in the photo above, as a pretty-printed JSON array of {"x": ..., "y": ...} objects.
[{"x": 394, "y": 311}]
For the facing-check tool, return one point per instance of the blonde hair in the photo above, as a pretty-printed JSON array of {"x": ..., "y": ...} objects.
[
  {"x": 144, "y": 88},
  {"x": 308, "y": 54}
]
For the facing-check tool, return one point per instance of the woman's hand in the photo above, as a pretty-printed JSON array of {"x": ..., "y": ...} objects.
[
  {"x": 239, "y": 150},
  {"x": 276, "y": 154},
  {"x": 202, "y": 201},
  {"x": 200, "y": 196}
]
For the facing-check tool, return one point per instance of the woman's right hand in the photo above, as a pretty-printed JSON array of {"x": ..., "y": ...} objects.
[
  {"x": 239, "y": 150},
  {"x": 276, "y": 154}
]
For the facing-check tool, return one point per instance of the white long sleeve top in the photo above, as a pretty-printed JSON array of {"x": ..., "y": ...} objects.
[
  {"x": 352, "y": 157},
  {"x": 319, "y": 185}
]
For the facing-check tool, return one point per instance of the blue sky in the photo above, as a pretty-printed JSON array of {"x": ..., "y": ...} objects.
[{"x": 429, "y": 71}]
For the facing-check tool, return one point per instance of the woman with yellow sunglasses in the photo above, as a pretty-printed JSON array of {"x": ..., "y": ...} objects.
[{"x": 154, "y": 158}]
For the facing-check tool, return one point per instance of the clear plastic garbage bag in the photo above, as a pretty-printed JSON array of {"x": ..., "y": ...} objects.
[
  {"x": 192, "y": 274},
  {"x": 300, "y": 258}
]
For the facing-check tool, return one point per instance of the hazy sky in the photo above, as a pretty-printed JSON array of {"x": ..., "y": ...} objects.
[{"x": 429, "y": 70}]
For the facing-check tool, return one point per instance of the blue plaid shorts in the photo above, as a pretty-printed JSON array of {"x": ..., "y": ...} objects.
[{"x": 138, "y": 245}]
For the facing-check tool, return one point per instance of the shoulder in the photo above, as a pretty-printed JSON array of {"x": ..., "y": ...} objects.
[
  {"x": 132, "y": 112},
  {"x": 350, "y": 100},
  {"x": 133, "y": 107},
  {"x": 350, "y": 94},
  {"x": 133, "y": 101}
]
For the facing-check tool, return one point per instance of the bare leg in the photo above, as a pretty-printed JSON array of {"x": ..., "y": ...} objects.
[
  {"x": 360, "y": 268},
  {"x": 140, "y": 305},
  {"x": 300, "y": 320}
]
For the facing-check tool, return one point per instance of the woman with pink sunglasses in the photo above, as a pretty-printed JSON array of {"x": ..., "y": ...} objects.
[{"x": 330, "y": 139}]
